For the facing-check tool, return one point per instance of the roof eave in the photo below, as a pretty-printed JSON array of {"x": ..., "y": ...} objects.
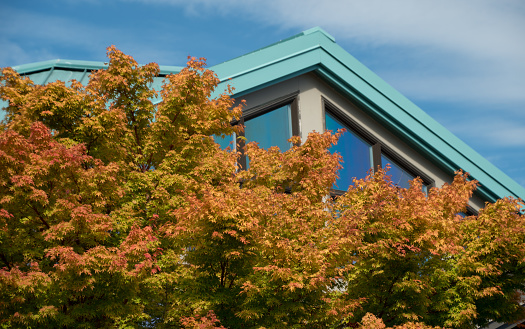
[{"x": 77, "y": 65}]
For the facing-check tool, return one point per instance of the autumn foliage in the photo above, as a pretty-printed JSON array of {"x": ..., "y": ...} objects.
[{"x": 119, "y": 210}]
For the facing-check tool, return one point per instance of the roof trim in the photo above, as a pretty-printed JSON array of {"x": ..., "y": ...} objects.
[{"x": 70, "y": 64}]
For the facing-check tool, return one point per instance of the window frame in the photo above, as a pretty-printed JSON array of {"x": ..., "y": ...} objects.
[
  {"x": 256, "y": 111},
  {"x": 378, "y": 148}
]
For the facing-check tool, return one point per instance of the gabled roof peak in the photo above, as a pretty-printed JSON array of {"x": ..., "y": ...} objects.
[
  {"x": 312, "y": 31},
  {"x": 314, "y": 50},
  {"x": 317, "y": 29}
]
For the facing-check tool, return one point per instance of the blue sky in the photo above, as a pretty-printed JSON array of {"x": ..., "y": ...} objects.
[{"x": 462, "y": 61}]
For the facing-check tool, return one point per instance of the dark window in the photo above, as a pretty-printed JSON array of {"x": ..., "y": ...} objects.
[
  {"x": 362, "y": 151},
  {"x": 469, "y": 211},
  {"x": 271, "y": 124},
  {"x": 399, "y": 176},
  {"x": 227, "y": 141},
  {"x": 356, "y": 153},
  {"x": 272, "y": 128}
]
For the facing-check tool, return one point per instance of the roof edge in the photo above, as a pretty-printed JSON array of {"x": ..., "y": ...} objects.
[
  {"x": 318, "y": 29},
  {"x": 79, "y": 65}
]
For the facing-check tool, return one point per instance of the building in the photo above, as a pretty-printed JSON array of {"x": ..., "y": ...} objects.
[{"x": 308, "y": 83}]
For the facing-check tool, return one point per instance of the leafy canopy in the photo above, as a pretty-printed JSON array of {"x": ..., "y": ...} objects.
[{"x": 120, "y": 211}]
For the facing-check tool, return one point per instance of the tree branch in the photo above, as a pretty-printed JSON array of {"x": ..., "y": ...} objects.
[
  {"x": 39, "y": 215},
  {"x": 4, "y": 259}
]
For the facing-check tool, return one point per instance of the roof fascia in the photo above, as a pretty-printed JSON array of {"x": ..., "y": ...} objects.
[
  {"x": 315, "y": 50},
  {"x": 77, "y": 65},
  {"x": 59, "y": 63},
  {"x": 270, "y": 64}
]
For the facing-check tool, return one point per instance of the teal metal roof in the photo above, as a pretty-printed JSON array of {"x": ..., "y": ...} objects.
[
  {"x": 67, "y": 70},
  {"x": 316, "y": 51}
]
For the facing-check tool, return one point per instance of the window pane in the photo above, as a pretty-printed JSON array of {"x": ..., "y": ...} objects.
[
  {"x": 226, "y": 141},
  {"x": 462, "y": 214},
  {"x": 399, "y": 176},
  {"x": 270, "y": 129},
  {"x": 356, "y": 153}
]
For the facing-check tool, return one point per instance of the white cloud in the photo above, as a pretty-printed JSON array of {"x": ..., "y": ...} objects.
[
  {"x": 495, "y": 132},
  {"x": 487, "y": 86},
  {"x": 481, "y": 27},
  {"x": 42, "y": 36},
  {"x": 47, "y": 32}
]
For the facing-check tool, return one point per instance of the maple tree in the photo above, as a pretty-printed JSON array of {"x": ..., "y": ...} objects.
[{"x": 119, "y": 211}]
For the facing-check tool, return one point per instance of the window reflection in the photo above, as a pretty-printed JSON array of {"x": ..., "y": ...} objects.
[
  {"x": 399, "y": 176},
  {"x": 362, "y": 151},
  {"x": 273, "y": 128},
  {"x": 356, "y": 153},
  {"x": 226, "y": 141}
]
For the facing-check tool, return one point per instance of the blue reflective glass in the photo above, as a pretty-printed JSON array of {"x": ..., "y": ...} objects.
[
  {"x": 273, "y": 128},
  {"x": 399, "y": 176},
  {"x": 356, "y": 153},
  {"x": 226, "y": 141}
]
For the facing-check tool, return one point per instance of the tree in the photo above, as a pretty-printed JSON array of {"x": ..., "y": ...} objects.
[{"x": 116, "y": 211}]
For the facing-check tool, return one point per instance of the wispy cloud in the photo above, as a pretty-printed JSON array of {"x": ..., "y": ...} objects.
[
  {"x": 494, "y": 133},
  {"x": 475, "y": 27},
  {"x": 486, "y": 86},
  {"x": 43, "y": 36}
]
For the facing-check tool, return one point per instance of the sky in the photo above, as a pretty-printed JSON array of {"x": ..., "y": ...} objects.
[{"x": 461, "y": 61}]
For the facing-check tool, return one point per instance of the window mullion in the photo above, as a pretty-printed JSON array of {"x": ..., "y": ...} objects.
[
  {"x": 376, "y": 157},
  {"x": 240, "y": 140},
  {"x": 294, "y": 108}
]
